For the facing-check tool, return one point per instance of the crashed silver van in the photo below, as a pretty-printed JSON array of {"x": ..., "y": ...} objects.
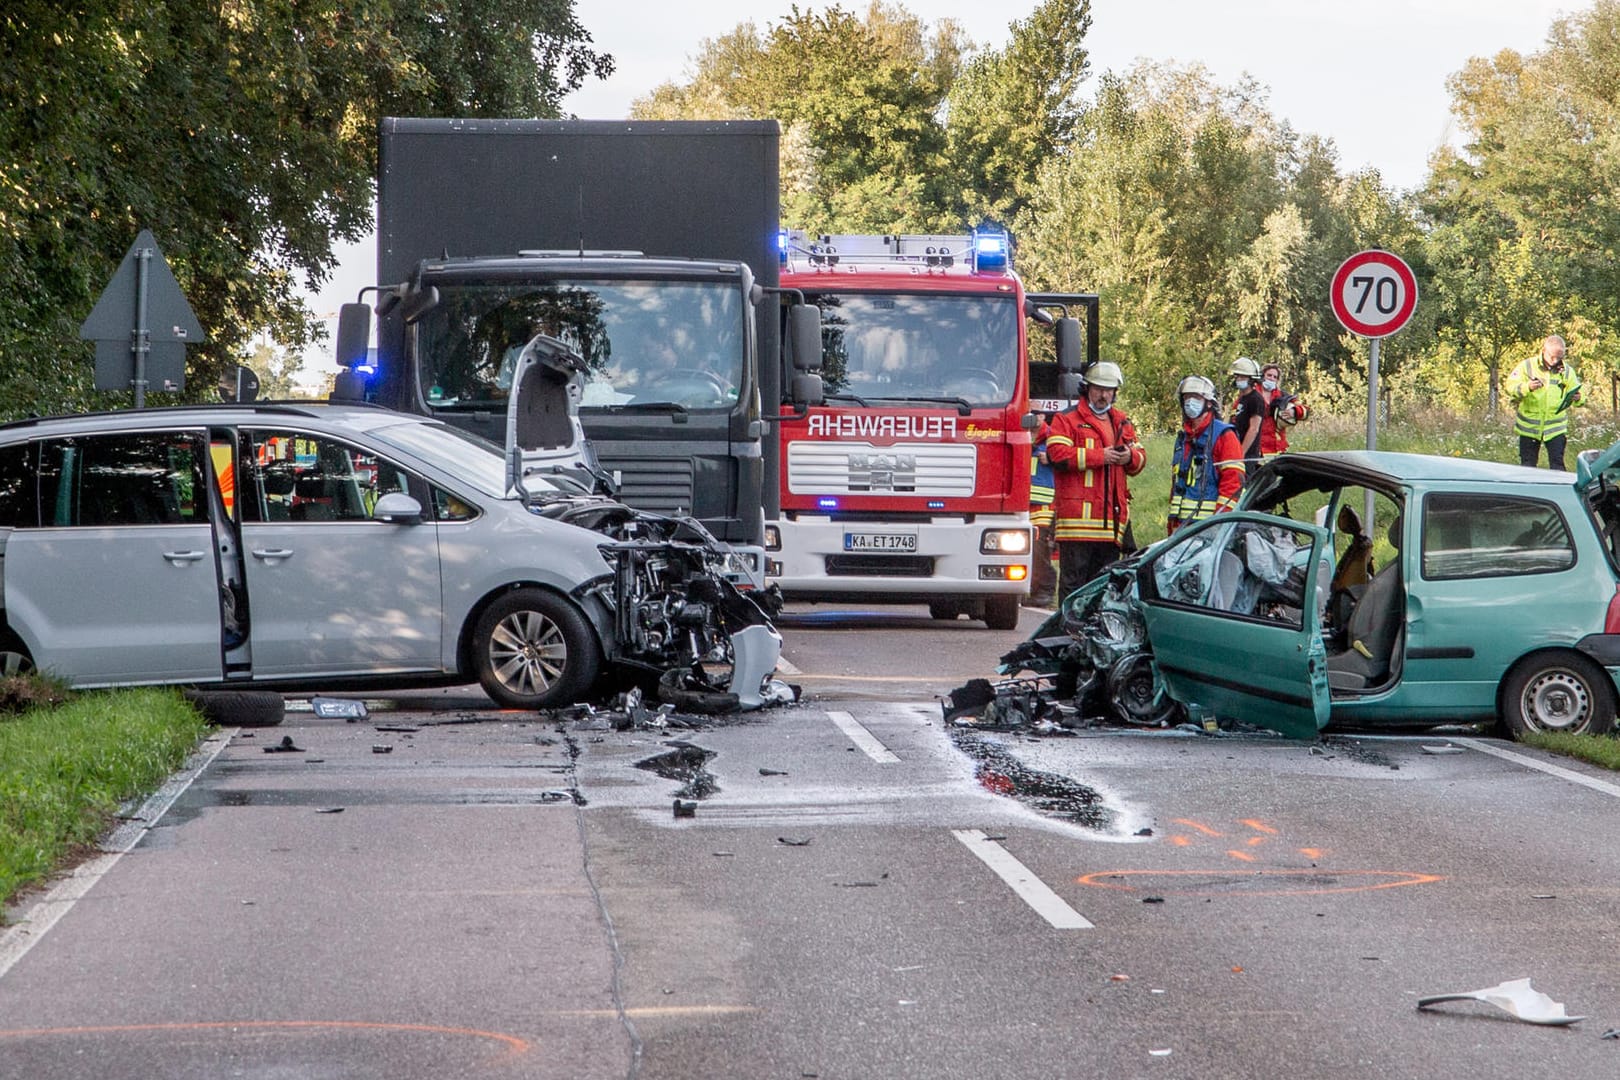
[{"x": 292, "y": 546}]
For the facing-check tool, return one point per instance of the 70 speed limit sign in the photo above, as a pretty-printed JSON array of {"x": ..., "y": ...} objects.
[{"x": 1374, "y": 293}]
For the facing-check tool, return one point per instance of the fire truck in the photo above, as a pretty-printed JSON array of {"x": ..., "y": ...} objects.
[{"x": 910, "y": 482}]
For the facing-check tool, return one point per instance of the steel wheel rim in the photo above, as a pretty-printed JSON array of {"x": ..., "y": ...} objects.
[
  {"x": 14, "y": 663},
  {"x": 528, "y": 653},
  {"x": 1557, "y": 700}
]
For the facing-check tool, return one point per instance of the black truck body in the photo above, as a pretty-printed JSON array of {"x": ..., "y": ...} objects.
[{"x": 592, "y": 220}]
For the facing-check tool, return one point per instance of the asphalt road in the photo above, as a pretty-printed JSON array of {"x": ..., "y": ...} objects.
[{"x": 868, "y": 893}]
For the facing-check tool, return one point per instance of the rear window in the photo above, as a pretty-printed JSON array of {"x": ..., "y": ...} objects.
[{"x": 1472, "y": 536}]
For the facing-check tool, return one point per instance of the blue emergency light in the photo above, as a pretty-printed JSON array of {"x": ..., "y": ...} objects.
[
  {"x": 936, "y": 504},
  {"x": 782, "y": 246},
  {"x": 827, "y": 502},
  {"x": 989, "y": 251}
]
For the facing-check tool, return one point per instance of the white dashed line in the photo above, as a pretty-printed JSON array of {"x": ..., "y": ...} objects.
[
  {"x": 863, "y": 738},
  {"x": 1031, "y": 889},
  {"x": 1541, "y": 766}
]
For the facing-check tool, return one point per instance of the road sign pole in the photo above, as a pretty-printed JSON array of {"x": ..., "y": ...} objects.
[
  {"x": 1372, "y": 421},
  {"x": 142, "y": 333}
]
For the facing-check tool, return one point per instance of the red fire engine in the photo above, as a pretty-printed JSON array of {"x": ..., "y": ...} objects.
[{"x": 910, "y": 484}]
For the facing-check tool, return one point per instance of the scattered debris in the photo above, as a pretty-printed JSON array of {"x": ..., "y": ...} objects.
[
  {"x": 1612, "y": 1033},
  {"x": 793, "y": 842},
  {"x": 381, "y": 748},
  {"x": 1444, "y": 749},
  {"x": 1516, "y": 998},
  {"x": 855, "y": 884},
  {"x": 1543, "y": 896},
  {"x": 349, "y": 709},
  {"x": 1119, "y": 978},
  {"x": 1152, "y": 899},
  {"x": 330, "y": 810},
  {"x": 773, "y": 772},
  {"x": 1159, "y": 1053},
  {"x": 403, "y": 729},
  {"x": 556, "y": 795},
  {"x": 285, "y": 746},
  {"x": 723, "y": 854},
  {"x": 1144, "y": 832},
  {"x": 683, "y": 808},
  {"x": 684, "y": 761}
]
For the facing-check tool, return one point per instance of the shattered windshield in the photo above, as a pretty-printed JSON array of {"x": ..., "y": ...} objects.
[
  {"x": 644, "y": 342},
  {"x": 918, "y": 347}
]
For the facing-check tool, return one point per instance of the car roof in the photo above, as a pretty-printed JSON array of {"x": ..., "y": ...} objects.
[
  {"x": 355, "y": 417},
  {"x": 1417, "y": 468}
]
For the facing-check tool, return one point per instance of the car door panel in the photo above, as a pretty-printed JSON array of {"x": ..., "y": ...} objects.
[{"x": 1236, "y": 628}]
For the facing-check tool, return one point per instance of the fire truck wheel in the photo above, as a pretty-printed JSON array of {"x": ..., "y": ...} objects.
[{"x": 1001, "y": 612}]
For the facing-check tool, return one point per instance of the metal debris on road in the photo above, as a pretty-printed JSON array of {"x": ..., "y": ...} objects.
[
  {"x": 381, "y": 748},
  {"x": 330, "y": 810},
  {"x": 1516, "y": 998},
  {"x": 285, "y": 746},
  {"x": 792, "y": 842},
  {"x": 773, "y": 772}
]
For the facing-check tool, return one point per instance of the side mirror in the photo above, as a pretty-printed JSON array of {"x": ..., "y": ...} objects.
[
  {"x": 353, "y": 335},
  {"x": 807, "y": 390},
  {"x": 804, "y": 336},
  {"x": 1030, "y": 421},
  {"x": 419, "y": 303},
  {"x": 397, "y": 508},
  {"x": 1070, "y": 385},
  {"x": 1070, "y": 351}
]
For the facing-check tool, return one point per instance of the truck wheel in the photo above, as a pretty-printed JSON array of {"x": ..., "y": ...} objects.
[
  {"x": 1558, "y": 692},
  {"x": 534, "y": 650},
  {"x": 1001, "y": 612},
  {"x": 238, "y": 708}
]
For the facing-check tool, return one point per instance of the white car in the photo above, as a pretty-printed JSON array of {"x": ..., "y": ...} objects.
[{"x": 295, "y": 546}]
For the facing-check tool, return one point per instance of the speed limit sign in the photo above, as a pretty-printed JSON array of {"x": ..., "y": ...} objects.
[{"x": 1374, "y": 293}]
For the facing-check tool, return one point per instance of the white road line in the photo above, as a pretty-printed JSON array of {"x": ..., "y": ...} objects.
[
  {"x": 1541, "y": 766},
  {"x": 862, "y": 738},
  {"x": 1031, "y": 889},
  {"x": 48, "y": 911}
]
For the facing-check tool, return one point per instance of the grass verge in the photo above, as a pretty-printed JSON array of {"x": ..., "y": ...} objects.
[
  {"x": 65, "y": 769},
  {"x": 1600, "y": 750}
]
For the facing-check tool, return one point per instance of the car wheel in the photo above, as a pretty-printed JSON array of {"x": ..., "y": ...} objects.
[
  {"x": 14, "y": 658},
  {"x": 239, "y": 708},
  {"x": 1558, "y": 692},
  {"x": 1001, "y": 612},
  {"x": 534, "y": 650},
  {"x": 1137, "y": 694}
]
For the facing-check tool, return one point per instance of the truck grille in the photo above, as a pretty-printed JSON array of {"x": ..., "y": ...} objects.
[
  {"x": 662, "y": 485},
  {"x": 910, "y": 566},
  {"x": 852, "y": 468}
]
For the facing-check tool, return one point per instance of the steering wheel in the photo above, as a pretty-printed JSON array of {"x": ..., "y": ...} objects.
[
  {"x": 975, "y": 377},
  {"x": 694, "y": 384}
]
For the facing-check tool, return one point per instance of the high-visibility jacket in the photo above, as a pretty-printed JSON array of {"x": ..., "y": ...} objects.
[
  {"x": 1093, "y": 501},
  {"x": 1207, "y": 471},
  {"x": 1041, "y": 491},
  {"x": 1544, "y": 411}
]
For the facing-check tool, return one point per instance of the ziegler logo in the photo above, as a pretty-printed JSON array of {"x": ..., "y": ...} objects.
[
  {"x": 974, "y": 431},
  {"x": 882, "y": 472}
]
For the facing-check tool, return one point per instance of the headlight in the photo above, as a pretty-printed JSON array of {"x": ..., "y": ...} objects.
[
  {"x": 773, "y": 538},
  {"x": 1004, "y": 542}
]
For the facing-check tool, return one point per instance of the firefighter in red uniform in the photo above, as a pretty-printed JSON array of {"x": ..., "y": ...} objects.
[
  {"x": 1207, "y": 469},
  {"x": 1092, "y": 448},
  {"x": 1283, "y": 411}
]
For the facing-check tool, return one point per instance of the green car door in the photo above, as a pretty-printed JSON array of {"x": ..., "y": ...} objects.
[{"x": 1233, "y": 606}]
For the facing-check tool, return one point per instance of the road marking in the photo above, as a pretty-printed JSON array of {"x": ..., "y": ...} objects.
[
  {"x": 1200, "y": 826},
  {"x": 784, "y": 666},
  {"x": 863, "y": 738},
  {"x": 1541, "y": 766},
  {"x": 48, "y": 911},
  {"x": 1031, "y": 889}
]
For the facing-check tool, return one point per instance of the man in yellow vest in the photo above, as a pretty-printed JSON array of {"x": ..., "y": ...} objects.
[{"x": 1544, "y": 389}]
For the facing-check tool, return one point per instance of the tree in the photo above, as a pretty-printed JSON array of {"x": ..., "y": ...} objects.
[{"x": 242, "y": 134}]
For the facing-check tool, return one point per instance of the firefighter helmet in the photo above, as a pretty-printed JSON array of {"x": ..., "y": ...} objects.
[
  {"x": 1246, "y": 367},
  {"x": 1105, "y": 373},
  {"x": 1196, "y": 384}
]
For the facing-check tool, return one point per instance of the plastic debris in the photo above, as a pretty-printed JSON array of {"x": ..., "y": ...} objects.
[
  {"x": 685, "y": 809},
  {"x": 350, "y": 709},
  {"x": 1444, "y": 749},
  {"x": 773, "y": 772},
  {"x": 1516, "y": 998},
  {"x": 1159, "y": 1053},
  {"x": 791, "y": 841},
  {"x": 381, "y": 748},
  {"x": 285, "y": 746},
  {"x": 1612, "y": 1033},
  {"x": 330, "y": 810}
]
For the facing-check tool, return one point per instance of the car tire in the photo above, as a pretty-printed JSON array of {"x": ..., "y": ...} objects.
[
  {"x": 1001, "y": 612},
  {"x": 1557, "y": 692},
  {"x": 535, "y": 650},
  {"x": 14, "y": 658},
  {"x": 239, "y": 708}
]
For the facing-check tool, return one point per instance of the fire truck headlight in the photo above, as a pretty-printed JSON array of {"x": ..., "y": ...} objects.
[
  {"x": 773, "y": 538},
  {"x": 1004, "y": 542}
]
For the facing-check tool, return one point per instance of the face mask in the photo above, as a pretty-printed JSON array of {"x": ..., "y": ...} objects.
[
  {"x": 1269, "y": 384},
  {"x": 1100, "y": 410},
  {"x": 1242, "y": 384},
  {"x": 1193, "y": 408}
]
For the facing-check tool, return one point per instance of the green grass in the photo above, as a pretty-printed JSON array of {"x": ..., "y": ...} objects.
[
  {"x": 66, "y": 769},
  {"x": 1600, "y": 750}
]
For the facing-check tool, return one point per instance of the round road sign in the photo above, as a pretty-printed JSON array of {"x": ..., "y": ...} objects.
[{"x": 1374, "y": 293}]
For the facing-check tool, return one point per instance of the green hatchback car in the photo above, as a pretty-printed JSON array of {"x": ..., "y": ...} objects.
[{"x": 1476, "y": 592}]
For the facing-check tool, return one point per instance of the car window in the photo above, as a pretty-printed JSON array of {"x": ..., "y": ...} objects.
[
  {"x": 134, "y": 478},
  {"x": 1487, "y": 535},
  {"x": 19, "y": 495},
  {"x": 1241, "y": 568},
  {"x": 451, "y": 507},
  {"x": 297, "y": 476}
]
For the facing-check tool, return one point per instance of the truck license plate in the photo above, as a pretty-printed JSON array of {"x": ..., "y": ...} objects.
[{"x": 865, "y": 541}]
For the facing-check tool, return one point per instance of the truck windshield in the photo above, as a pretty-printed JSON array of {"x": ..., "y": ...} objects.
[
  {"x": 644, "y": 342},
  {"x": 918, "y": 347}
]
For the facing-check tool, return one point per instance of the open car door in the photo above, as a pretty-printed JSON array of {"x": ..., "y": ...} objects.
[{"x": 1233, "y": 606}]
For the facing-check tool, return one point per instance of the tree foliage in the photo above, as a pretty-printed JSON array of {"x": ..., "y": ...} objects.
[{"x": 243, "y": 134}]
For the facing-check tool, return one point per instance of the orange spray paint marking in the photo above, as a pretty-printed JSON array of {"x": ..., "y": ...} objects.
[
  {"x": 1260, "y": 826},
  {"x": 1244, "y": 855},
  {"x": 1180, "y": 841},
  {"x": 1313, "y": 852},
  {"x": 1200, "y": 826},
  {"x": 1256, "y": 841}
]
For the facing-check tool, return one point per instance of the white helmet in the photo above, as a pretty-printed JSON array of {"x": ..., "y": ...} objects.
[
  {"x": 1244, "y": 366},
  {"x": 1196, "y": 384},
  {"x": 1105, "y": 373}
]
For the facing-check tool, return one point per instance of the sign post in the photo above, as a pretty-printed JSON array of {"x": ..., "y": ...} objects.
[
  {"x": 141, "y": 325},
  {"x": 1373, "y": 294}
]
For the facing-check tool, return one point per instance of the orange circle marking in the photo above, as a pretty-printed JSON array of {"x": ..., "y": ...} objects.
[
  {"x": 515, "y": 1047},
  {"x": 1381, "y": 879}
]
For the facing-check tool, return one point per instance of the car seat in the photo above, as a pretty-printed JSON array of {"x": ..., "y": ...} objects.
[{"x": 1374, "y": 628}]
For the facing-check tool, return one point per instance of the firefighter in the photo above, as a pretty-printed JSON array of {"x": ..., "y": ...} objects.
[
  {"x": 1093, "y": 449},
  {"x": 1544, "y": 387},
  {"x": 1042, "y": 577},
  {"x": 1283, "y": 411},
  {"x": 1248, "y": 410},
  {"x": 1207, "y": 469}
]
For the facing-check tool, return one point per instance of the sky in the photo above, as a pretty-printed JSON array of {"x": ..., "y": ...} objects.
[{"x": 1370, "y": 75}]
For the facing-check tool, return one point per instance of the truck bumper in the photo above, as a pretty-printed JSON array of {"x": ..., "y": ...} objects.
[{"x": 816, "y": 559}]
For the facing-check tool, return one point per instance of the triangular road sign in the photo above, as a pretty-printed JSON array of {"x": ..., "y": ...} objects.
[{"x": 168, "y": 315}]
